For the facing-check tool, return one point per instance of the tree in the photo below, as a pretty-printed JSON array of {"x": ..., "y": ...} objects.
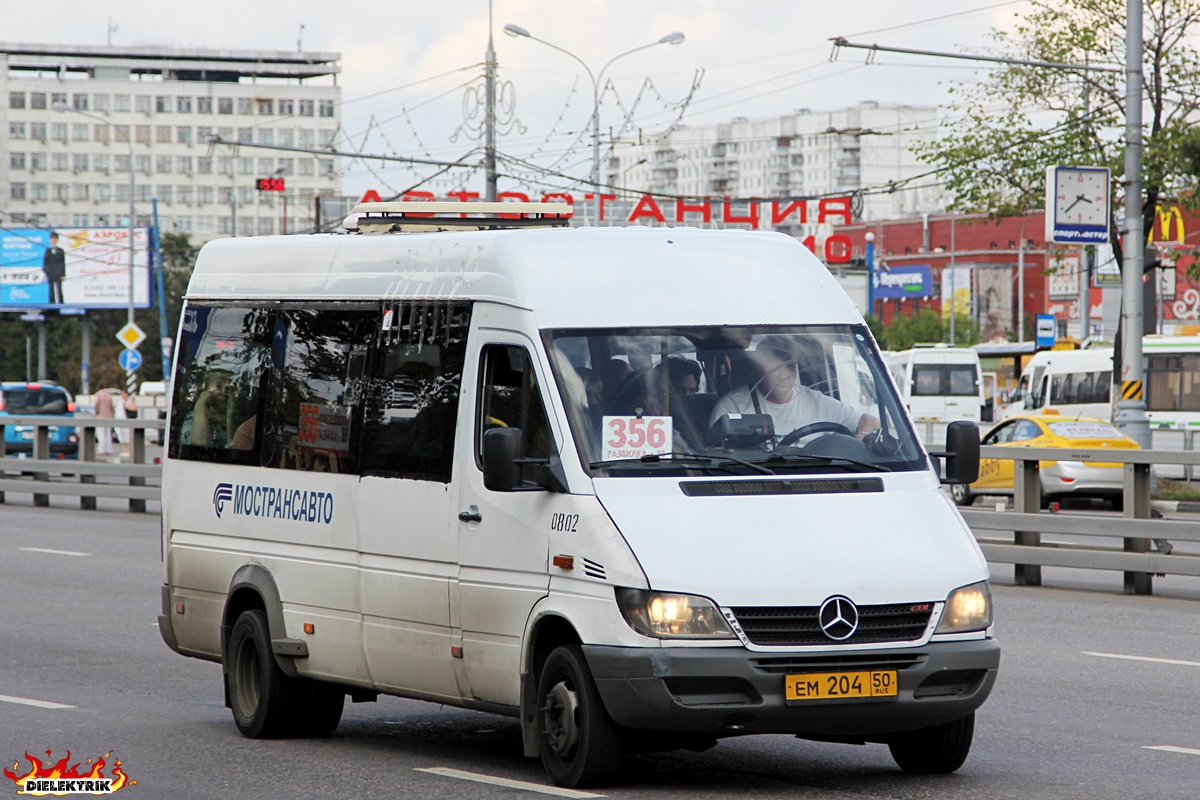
[
  {"x": 928, "y": 327},
  {"x": 1005, "y": 130}
]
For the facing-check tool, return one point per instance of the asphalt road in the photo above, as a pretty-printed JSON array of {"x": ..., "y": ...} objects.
[{"x": 1091, "y": 683}]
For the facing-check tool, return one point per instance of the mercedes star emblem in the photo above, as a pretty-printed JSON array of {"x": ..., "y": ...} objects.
[{"x": 838, "y": 618}]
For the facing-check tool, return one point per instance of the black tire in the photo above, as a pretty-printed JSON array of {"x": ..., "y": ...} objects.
[
  {"x": 579, "y": 743},
  {"x": 266, "y": 703},
  {"x": 939, "y": 750},
  {"x": 962, "y": 494}
]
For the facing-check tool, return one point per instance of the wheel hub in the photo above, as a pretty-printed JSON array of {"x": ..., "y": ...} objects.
[{"x": 560, "y": 719}]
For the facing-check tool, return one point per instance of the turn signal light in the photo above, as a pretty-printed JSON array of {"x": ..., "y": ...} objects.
[
  {"x": 309, "y": 628},
  {"x": 564, "y": 562}
]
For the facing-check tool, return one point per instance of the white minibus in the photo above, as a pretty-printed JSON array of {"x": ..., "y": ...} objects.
[
  {"x": 639, "y": 488},
  {"x": 938, "y": 384},
  {"x": 1071, "y": 383}
]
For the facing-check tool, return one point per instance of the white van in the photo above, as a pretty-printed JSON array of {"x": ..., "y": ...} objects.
[
  {"x": 939, "y": 384},
  {"x": 1072, "y": 383},
  {"x": 517, "y": 471}
]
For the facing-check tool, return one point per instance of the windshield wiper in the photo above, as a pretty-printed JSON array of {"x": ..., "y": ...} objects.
[
  {"x": 801, "y": 458},
  {"x": 668, "y": 458}
]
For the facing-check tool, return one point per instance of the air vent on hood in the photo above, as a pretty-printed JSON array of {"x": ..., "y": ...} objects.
[
  {"x": 593, "y": 570},
  {"x": 822, "y": 486}
]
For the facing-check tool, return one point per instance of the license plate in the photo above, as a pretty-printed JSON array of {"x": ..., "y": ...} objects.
[{"x": 841, "y": 685}]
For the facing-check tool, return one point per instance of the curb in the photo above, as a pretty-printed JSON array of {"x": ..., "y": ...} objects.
[{"x": 1176, "y": 506}]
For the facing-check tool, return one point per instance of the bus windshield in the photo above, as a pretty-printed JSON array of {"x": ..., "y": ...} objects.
[{"x": 741, "y": 400}]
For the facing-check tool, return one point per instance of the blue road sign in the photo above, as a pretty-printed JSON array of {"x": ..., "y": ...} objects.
[{"x": 129, "y": 360}]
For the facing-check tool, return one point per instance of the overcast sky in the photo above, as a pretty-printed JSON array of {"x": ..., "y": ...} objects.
[{"x": 406, "y": 65}]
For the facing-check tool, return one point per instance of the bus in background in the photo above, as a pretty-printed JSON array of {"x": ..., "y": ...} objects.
[
  {"x": 938, "y": 384},
  {"x": 1073, "y": 383}
]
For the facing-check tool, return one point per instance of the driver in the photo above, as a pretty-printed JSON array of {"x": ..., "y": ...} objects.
[{"x": 780, "y": 394}]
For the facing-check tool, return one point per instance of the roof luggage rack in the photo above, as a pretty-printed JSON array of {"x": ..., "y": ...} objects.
[{"x": 415, "y": 216}]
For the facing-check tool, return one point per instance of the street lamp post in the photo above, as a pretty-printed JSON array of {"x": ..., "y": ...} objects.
[
  {"x": 61, "y": 106},
  {"x": 670, "y": 38},
  {"x": 870, "y": 237}
]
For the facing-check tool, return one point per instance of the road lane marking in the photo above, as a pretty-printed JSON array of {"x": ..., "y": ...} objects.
[
  {"x": 52, "y": 552},
  {"x": 1145, "y": 658},
  {"x": 528, "y": 787},
  {"x": 1166, "y": 748},
  {"x": 25, "y": 701}
]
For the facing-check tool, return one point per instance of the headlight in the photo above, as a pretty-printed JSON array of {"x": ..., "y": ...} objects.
[
  {"x": 672, "y": 616},
  {"x": 968, "y": 608}
]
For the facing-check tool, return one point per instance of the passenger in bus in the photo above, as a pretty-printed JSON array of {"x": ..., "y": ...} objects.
[
  {"x": 779, "y": 392},
  {"x": 211, "y": 421}
]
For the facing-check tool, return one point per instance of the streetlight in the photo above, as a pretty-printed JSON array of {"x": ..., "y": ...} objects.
[
  {"x": 670, "y": 38},
  {"x": 60, "y": 106}
]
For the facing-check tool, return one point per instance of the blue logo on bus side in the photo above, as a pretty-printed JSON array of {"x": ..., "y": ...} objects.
[{"x": 272, "y": 502}]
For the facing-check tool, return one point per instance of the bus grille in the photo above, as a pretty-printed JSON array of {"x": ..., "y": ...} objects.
[{"x": 799, "y": 625}]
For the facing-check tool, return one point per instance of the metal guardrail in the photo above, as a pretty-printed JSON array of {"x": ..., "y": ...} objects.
[
  {"x": 42, "y": 475},
  {"x": 1128, "y": 548}
]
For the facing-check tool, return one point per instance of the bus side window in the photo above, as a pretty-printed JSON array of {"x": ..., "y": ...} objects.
[{"x": 509, "y": 396}]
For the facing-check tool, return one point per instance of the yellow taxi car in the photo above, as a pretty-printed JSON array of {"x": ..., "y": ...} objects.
[{"x": 1105, "y": 480}]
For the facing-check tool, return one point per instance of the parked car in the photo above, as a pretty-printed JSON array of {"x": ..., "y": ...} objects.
[
  {"x": 1105, "y": 480},
  {"x": 18, "y": 398}
]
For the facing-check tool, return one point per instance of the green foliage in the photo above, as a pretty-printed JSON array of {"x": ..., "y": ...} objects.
[
  {"x": 927, "y": 327},
  {"x": 64, "y": 333}
]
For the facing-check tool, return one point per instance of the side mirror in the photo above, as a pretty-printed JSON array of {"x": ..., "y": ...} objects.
[
  {"x": 962, "y": 452},
  {"x": 501, "y": 449}
]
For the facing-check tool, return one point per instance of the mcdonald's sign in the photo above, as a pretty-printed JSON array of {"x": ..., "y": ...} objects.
[{"x": 1168, "y": 229}]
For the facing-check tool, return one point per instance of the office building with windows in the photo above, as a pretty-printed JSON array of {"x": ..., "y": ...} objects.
[{"x": 75, "y": 119}]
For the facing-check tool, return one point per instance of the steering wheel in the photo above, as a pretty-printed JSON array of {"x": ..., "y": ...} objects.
[{"x": 811, "y": 428}]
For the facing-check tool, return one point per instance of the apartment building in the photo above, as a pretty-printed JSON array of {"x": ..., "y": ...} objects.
[
  {"x": 863, "y": 152},
  {"x": 74, "y": 120}
]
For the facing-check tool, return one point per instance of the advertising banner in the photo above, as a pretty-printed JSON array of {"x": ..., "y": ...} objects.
[
  {"x": 956, "y": 290},
  {"x": 899, "y": 283},
  {"x": 72, "y": 268}
]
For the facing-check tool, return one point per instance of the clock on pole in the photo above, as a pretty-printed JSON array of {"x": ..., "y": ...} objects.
[{"x": 1078, "y": 205}]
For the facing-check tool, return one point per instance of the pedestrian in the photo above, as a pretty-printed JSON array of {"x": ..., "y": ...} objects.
[
  {"x": 104, "y": 408},
  {"x": 126, "y": 409}
]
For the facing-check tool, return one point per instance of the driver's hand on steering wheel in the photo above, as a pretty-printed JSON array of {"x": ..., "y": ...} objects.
[{"x": 881, "y": 443}]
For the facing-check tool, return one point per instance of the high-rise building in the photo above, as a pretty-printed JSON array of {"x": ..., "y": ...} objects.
[
  {"x": 863, "y": 152},
  {"x": 74, "y": 120}
]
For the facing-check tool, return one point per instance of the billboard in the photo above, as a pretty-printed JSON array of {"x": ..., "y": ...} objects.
[
  {"x": 72, "y": 268},
  {"x": 901, "y": 283}
]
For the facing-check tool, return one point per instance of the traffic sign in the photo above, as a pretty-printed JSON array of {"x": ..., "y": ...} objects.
[
  {"x": 131, "y": 335},
  {"x": 129, "y": 360}
]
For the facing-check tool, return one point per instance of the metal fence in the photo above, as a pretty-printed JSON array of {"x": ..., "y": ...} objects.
[
  {"x": 1113, "y": 543},
  {"x": 40, "y": 474}
]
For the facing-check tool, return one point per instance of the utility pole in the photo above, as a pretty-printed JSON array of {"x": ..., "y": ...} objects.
[
  {"x": 1131, "y": 408},
  {"x": 489, "y": 123}
]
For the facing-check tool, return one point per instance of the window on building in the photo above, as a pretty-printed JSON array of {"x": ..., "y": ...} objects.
[
  {"x": 204, "y": 195},
  {"x": 245, "y": 166},
  {"x": 306, "y": 108},
  {"x": 224, "y": 105},
  {"x": 266, "y": 226},
  {"x": 37, "y": 131},
  {"x": 37, "y": 100},
  {"x": 307, "y": 166},
  {"x": 185, "y": 194},
  {"x": 204, "y": 105},
  {"x": 59, "y": 132},
  {"x": 162, "y": 164},
  {"x": 57, "y": 97},
  {"x": 327, "y": 137},
  {"x": 226, "y": 134},
  {"x": 246, "y": 196},
  {"x": 79, "y": 162},
  {"x": 245, "y": 105},
  {"x": 16, "y": 191},
  {"x": 287, "y": 166},
  {"x": 121, "y": 134},
  {"x": 142, "y": 103},
  {"x": 59, "y": 162},
  {"x": 183, "y": 105},
  {"x": 162, "y": 104},
  {"x": 16, "y": 130},
  {"x": 79, "y": 102},
  {"x": 245, "y": 136},
  {"x": 183, "y": 134},
  {"x": 121, "y": 163},
  {"x": 203, "y": 134},
  {"x": 141, "y": 134},
  {"x": 39, "y": 192},
  {"x": 287, "y": 108},
  {"x": 144, "y": 193},
  {"x": 100, "y": 162},
  {"x": 100, "y": 133},
  {"x": 121, "y": 103},
  {"x": 101, "y": 102},
  {"x": 266, "y": 136},
  {"x": 287, "y": 137},
  {"x": 326, "y": 108},
  {"x": 162, "y": 134},
  {"x": 142, "y": 164},
  {"x": 265, "y": 106},
  {"x": 245, "y": 226},
  {"x": 103, "y": 192},
  {"x": 79, "y": 192},
  {"x": 62, "y": 192},
  {"x": 16, "y": 160},
  {"x": 16, "y": 99},
  {"x": 79, "y": 131},
  {"x": 184, "y": 165},
  {"x": 266, "y": 166},
  {"x": 306, "y": 137},
  {"x": 204, "y": 165},
  {"x": 224, "y": 165},
  {"x": 38, "y": 162},
  {"x": 326, "y": 165},
  {"x": 166, "y": 193},
  {"x": 80, "y": 220}
]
